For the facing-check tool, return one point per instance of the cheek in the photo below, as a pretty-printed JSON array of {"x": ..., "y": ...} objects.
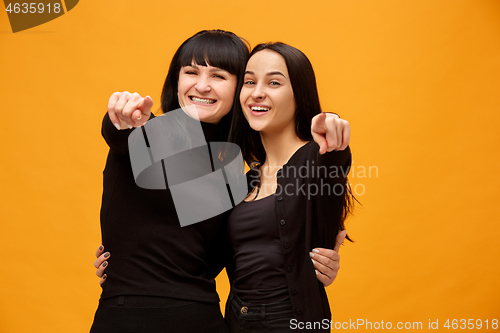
[
  {"x": 181, "y": 86},
  {"x": 245, "y": 92},
  {"x": 225, "y": 92}
]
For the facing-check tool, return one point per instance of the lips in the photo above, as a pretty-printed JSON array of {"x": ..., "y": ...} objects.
[
  {"x": 258, "y": 109},
  {"x": 202, "y": 101}
]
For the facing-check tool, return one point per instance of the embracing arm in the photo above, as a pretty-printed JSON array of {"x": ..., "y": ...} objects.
[
  {"x": 331, "y": 134},
  {"x": 327, "y": 262},
  {"x": 101, "y": 263}
]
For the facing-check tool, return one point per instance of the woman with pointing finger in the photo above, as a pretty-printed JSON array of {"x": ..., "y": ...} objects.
[{"x": 299, "y": 196}]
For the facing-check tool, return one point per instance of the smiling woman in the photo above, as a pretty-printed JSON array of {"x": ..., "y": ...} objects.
[
  {"x": 267, "y": 88},
  {"x": 280, "y": 127},
  {"x": 210, "y": 88},
  {"x": 161, "y": 275}
]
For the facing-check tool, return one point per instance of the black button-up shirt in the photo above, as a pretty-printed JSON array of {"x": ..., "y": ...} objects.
[{"x": 309, "y": 205}]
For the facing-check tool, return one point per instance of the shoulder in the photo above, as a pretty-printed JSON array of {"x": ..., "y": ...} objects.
[{"x": 310, "y": 151}]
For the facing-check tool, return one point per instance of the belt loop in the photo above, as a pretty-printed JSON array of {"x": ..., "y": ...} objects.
[
  {"x": 121, "y": 300},
  {"x": 263, "y": 311}
]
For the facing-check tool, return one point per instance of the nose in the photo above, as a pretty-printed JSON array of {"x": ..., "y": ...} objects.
[
  {"x": 258, "y": 93},
  {"x": 203, "y": 84}
]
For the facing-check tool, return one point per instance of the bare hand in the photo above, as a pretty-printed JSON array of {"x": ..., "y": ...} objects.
[
  {"x": 101, "y": 263},
  {"x": 330, "y": 132},
  {"x": 128, "y": 110},
  {"x": 327, "y": 262}
]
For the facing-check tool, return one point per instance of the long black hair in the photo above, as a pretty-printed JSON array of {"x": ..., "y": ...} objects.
[
  {"x": 217, "y": 48},
  {"x": 307, "y": 103}
]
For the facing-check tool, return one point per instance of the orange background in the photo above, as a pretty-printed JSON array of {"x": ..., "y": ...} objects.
[{"x": 419, "y": 82}]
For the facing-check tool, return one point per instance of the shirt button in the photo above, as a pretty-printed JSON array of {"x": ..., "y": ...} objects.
[
  {"x": 244, "y": 310},
  {"x": 280, "y": 199},
  {"x": 289, "y": 269},
  {"x": 298, "y": 312},
  {"x": 282, "y": 222},
  {"x": 294, "y": 292},
  {"x": 286, "y": 245}
]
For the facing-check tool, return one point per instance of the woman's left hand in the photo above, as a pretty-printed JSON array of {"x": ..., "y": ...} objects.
[
  {"x": 330, "y": 132},
  {"x": 327, "y": 262}
]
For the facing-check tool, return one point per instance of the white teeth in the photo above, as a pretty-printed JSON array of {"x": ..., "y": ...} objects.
[
  {"x": 260, "y": 108},
  {"x": 202, "y": 100}
]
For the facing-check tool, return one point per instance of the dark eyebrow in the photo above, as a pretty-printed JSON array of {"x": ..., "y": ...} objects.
[
  {"x": 276, "y": 73},
  {"x": 218, "y": 70},
  {"x": 212, "y": 70},
  {"x": 268, "y": 74}
]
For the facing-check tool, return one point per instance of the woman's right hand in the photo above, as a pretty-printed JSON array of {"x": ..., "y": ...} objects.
[
  {"x": 101, "y": 263},
  {"x": 128, "y": 110}
]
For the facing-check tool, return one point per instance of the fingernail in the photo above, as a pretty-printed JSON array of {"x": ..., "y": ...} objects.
[
  {"x": 104, "y": 276},
  {"x": 313, "y": 261},
  {"x": 129, "y": 126},
  {"x": 106, "y": 254},
  {"x": 100, "y": 248},
  {"x": 118, "y": 127},
  {"x": 104, "y": 264},
  {"x": 311, "y": 254},
  {"x": 315, "y": 250},
  {"x": 315, "y": 271},
  {"x": 140, "y": 117}
]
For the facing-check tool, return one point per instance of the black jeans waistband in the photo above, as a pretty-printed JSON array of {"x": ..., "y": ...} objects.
[
  {"x": 260, "y": 311},
  {"x": 144, "y": 301}
]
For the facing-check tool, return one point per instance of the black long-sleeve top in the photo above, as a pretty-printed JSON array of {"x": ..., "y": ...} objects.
[
  {"x": 151, "y": 254},
  {"x": 309, "y": 205}
]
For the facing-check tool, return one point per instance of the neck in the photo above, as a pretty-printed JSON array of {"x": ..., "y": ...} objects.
[{"x": 280, "y": 146}]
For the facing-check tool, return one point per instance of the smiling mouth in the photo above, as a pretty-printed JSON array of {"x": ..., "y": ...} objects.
[
  {"x": 198, "y": 100},
  {"x": 259, "y": 109}
]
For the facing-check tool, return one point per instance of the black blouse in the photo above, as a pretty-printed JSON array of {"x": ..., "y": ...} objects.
[{"x": 259, "y": 275}]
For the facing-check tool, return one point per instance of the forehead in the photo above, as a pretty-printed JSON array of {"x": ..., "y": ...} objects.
[{"x": 267, "y": 61}]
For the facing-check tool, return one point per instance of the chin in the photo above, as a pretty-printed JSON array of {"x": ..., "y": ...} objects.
[
  {"x": 257, "y": 127},
  {"x": 204, "y": 115}
]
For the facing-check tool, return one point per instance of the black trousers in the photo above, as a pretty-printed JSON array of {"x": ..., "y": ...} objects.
[
  {"x": 258, "y": 318},
  {"x": 149, "y": 314}
]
